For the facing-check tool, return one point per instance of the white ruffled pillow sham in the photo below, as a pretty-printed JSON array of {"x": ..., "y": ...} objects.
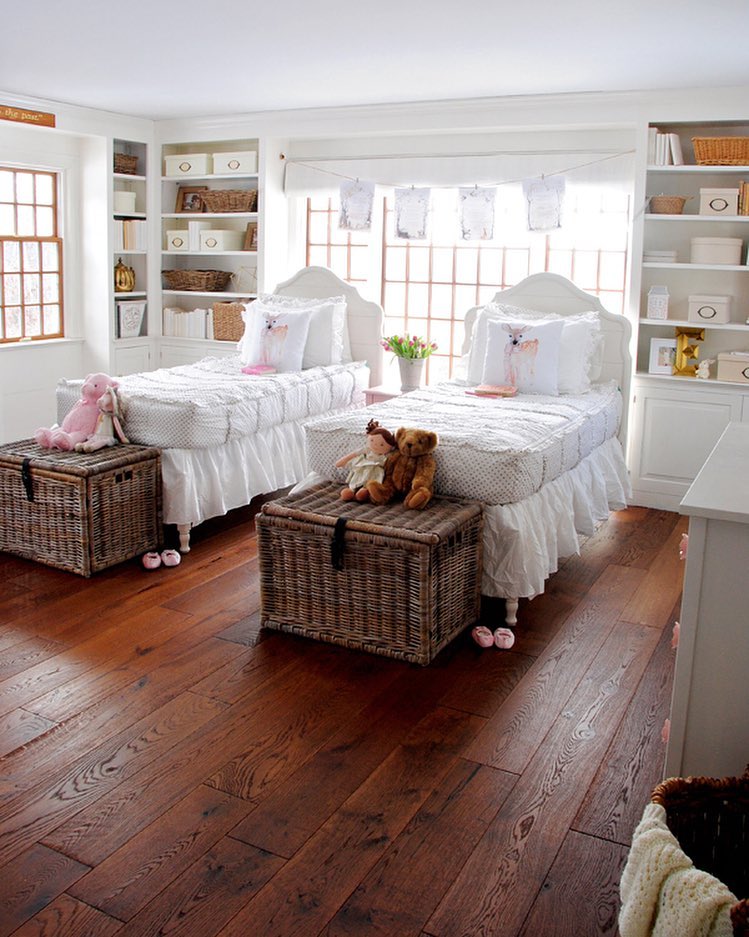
[
  {"x": 523, "y": 355},
  {"x": 580, "y": 345},
  {"x": 328, "y": 339},
  {"x": 274, "y": 336}
]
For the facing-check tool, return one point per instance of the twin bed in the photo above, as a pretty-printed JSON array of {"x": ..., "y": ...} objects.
[{"x": 547, "y": 468}]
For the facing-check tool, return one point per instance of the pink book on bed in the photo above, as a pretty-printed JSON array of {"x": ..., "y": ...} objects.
[
  {"x": 258, "y": 369},
  {"x": 493, "y": 390}
]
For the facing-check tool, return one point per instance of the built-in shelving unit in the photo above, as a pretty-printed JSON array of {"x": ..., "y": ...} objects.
[
  {"x": 680, "y": 418},
  {"x": 196, "y": 239},
  {"x": 129, "y": 243}
]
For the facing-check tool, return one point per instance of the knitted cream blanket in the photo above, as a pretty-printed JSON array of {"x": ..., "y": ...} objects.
[{"x": 663, "y": 894}]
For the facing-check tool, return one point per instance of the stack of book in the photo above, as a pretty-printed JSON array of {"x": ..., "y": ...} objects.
[
  {"x": 659, "y": 257},
  {"x": 664, "y": 149}
]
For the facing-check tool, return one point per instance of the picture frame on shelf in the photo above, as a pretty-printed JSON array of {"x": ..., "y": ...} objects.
[
  {"x": 662, "y": 356},
  {"x": 189, "y": 200},
  {"x": 250, "y": 237}
]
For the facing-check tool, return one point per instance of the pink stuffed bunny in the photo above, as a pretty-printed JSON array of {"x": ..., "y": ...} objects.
[{"x": 80, "y": 423}]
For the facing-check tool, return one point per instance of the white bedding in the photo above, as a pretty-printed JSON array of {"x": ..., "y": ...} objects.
[
  {"x": 211, "y": 402},
  {"x": 495, "y": 451}
]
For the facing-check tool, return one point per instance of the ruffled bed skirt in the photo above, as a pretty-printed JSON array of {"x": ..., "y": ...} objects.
[
  {"x": 524, "y": 541},
  {"x": 203, "y": 483}
]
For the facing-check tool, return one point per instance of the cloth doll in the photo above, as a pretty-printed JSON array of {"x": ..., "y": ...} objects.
[{"x": 367, "y": 464}]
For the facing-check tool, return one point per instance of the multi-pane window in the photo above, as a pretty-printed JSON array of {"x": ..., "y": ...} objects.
[
  {"x": 427, "y": 286},
  {"x": 30, "y": 256}
]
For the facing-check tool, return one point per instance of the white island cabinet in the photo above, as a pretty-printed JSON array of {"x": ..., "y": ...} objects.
[{"x": 710, "y": 704}]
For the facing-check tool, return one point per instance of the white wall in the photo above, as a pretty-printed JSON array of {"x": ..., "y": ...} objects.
[{"x": 80, "y": 146}]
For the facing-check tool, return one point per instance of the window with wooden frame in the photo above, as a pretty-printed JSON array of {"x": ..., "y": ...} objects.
[
  {"x": 31, "y": 293},
  {"x": 427, "y": 286}
]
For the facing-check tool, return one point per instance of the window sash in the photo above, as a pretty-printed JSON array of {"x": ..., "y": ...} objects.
[{"x": 31, "y": 256}]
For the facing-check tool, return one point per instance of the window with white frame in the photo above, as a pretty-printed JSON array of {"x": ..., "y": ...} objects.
[
  {"x": 427, "y": 286},
  {"x": 31, "y": 293}
]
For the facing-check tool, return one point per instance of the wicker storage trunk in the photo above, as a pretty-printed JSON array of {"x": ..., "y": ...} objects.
[
  {"x": 383, "y": 579},
  {"x": 78, "y": 511}
]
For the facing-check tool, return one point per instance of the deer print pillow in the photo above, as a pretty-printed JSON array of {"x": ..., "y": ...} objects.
[
  {"x": 274, "y": 337},
  {"x": 525, "y": 355}
]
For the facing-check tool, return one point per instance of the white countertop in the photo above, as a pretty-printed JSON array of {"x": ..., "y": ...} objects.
[{"x": 721, "y": 489}]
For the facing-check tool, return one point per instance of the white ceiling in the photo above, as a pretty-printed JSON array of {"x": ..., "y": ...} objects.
[{"x": 190, "y": 58}]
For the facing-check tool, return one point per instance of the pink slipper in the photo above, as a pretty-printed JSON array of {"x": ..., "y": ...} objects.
[
  {"x": 504, "y": 638},
  {"x": 151, "y": 560},
  {"x": 171, "y": 558},
  {"x": 482, "y": 636}
]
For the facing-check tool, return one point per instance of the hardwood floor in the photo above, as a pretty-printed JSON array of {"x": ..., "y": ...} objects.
[{"x": 166, "y": 768}]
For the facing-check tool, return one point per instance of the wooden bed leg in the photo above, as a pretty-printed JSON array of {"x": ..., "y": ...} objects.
[
  {"x": 184, "y": 537},
  {"x": 511, "y": 612}
]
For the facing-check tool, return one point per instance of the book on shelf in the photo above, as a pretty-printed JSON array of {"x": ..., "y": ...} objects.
[
  {"x": 664, "y": 148},
  {"x": 193, "y": 233},
  {"x": 134, "y": 235},
  {"x": 186, "y": 323},
  {"x": 743, "y": 208}
]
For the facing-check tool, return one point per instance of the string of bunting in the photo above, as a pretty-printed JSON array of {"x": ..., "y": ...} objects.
[{"x": 544, "y": 197}]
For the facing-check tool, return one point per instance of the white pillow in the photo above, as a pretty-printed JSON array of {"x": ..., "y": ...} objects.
[
  {"x": 327, "y": 339},
  {"x": 580, "y": 348},
  {"x": 525, "y": 355},
  {"x": 274, "y": 336}
]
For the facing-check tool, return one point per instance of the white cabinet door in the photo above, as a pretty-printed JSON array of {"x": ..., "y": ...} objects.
[
  {"x": 675, "y": 429},
  {"x": 131, "y": 359}
]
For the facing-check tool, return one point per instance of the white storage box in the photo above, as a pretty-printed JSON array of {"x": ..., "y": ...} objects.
[
  {"x": 719, "y": 201},
  {"x": 709, "y": 309},
  {"x": 177, "y": 240},
  {"x": 716, "y": 251},
  {"x": 232, "y": 163},
  {"x": 220, "y": 239},
  {"x": 188, "y": 164},
  {"x": 123, "y": 202},
  {"x": 734, "y": 366}
]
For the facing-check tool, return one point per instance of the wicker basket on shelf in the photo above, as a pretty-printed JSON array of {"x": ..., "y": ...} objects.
[
  {"x": 204, "y": 280},
  {"x": 218, "y": 200},
  {"x": 721, "y": 151},
  {"x": 710, "y": 819},
  {"x": 228, "y": 325},
  {"x": 124, "y": 163},
  {"x": 668, "y": 204}
]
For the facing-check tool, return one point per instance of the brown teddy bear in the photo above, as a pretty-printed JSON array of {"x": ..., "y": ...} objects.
[{"x": 409, "y": 469}]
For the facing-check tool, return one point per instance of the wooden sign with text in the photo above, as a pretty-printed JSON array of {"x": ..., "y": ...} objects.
[{"x": 40, "y": 118}]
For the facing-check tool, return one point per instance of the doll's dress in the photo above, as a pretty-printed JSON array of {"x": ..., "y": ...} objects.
[{"x": 366, "y": 467}]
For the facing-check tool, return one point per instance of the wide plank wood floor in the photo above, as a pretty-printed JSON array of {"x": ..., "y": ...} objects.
[{"x": 166, "y": 767}]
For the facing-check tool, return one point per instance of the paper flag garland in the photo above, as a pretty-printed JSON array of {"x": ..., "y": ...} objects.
[
  {"x": 476, "y": 211},
  {"x": 411, "y": 211},
  {"x": 544, "y": 199},
  {"x": 357, "y": 199}
]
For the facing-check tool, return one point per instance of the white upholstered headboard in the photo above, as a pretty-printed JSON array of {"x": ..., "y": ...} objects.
[
  {"x": 549, "y": 292},
  {"x": 364, "y": 318}
]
